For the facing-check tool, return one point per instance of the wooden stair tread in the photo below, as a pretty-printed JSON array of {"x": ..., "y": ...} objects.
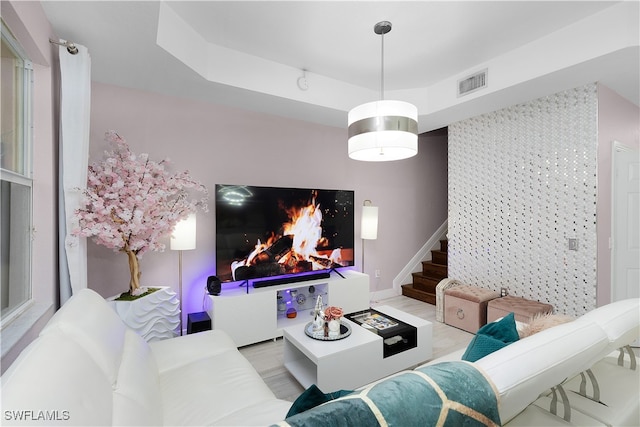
[
  {"x": 439, "y": 257},
  {"x": 409, "y": 291},
  {"x": 429, "y": 268},
  {"x": 424, "y": 283}
]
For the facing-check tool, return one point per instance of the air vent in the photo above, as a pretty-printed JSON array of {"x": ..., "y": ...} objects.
[{"x": 472, "y": 83}]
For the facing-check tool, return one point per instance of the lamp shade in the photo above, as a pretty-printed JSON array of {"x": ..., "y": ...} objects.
[
  {"x": 383, "y": 131},
  {"x": 183, "y": 237},
  {"x": 369, "y": 223}
]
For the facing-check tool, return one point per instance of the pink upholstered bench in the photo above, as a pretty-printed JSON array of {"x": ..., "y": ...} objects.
[
  {"x": 523, "y": 309},
  {"x": 465, "y": 307}
]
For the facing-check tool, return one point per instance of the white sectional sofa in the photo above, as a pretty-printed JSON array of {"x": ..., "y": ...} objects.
[
  {"x": 568, "y": 375},
  {"x": 558, "y": 358},
  {"x": 86, "y": 368}
]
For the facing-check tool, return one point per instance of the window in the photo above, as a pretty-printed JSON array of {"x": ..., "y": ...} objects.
[{"x": 16, "y": 84}]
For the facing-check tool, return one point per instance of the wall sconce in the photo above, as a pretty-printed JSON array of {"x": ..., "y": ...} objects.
[{"x": 183, "y": 238}]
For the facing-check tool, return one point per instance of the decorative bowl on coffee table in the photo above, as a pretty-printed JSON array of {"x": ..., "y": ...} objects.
[{"x": 345, "y": 331}]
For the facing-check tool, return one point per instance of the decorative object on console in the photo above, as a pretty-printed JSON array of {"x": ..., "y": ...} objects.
[
  {"x": 183, "y": 238},
  {"x": 383, "y": 130},
  {"x": 301, "y": 299},
  {"x": 131, "y": 202},
  {"x": 282, "y": 305}
]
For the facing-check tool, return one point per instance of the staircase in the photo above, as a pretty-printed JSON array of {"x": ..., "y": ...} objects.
[{"x": 424, "y": 283}]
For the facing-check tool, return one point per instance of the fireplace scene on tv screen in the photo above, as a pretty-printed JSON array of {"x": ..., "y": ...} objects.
[{"x": 270, "y": 231}]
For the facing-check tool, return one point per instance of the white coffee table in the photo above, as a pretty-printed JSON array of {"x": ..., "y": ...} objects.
[{"x": 354, "y": 361}]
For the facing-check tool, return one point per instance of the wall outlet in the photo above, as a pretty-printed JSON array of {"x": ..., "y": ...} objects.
[
  {"x": 377, "y": 273},
  {"x": 504, "y": 292},
  {"x": 573, "y": 244}
]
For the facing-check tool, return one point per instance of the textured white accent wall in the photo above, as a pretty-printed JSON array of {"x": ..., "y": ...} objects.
[{"x": 522, "y": 182}]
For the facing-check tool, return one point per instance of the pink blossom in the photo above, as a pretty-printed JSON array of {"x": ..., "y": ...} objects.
[{"x": 132, "y": 201}]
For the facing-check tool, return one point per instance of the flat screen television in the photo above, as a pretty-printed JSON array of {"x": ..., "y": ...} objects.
[{"x": 271, "y": 232}]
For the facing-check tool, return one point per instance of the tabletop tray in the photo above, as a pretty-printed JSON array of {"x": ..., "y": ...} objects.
[{"x": 345, "y": 331}]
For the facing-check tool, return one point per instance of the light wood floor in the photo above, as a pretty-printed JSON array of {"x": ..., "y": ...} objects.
[{"x": 267, "y": 356}]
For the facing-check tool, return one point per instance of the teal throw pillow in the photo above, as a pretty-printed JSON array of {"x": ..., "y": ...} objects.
[
  {"x": 504, "y": 329},
  {"x": 492, "y": 337},
  {"x": 312, "y": 397},
  {"x": 480, "y": 346}
]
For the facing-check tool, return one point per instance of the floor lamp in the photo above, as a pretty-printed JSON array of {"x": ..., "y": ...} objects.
[
  {"x": 368, "y": 225},
  {"x": 183, "y": 239}
]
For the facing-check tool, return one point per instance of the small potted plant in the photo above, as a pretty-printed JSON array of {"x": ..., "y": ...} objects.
[{"x": 132, "y": 202}]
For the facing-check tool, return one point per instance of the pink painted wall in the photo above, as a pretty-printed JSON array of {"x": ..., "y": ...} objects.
[
  {"x": 618, "y": 120},
  {"x": 221, "y": 145}
]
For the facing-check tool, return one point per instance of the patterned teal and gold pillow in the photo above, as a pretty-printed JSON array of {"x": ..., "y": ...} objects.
[{"x": 450, "y": 394}]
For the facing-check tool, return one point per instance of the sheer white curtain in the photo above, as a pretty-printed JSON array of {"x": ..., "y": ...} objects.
[{"x": 75, "y": 108}]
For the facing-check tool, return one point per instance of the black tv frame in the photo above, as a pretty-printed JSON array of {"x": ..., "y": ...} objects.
[{"x": 337, "y": 206}]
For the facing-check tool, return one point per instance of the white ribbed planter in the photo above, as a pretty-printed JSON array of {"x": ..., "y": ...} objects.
[{"x": 155, "y": 316}]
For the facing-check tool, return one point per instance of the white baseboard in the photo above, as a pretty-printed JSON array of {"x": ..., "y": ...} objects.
[
  {"x": 386, "y": 293},
  {"x": 424, "y": 254}
]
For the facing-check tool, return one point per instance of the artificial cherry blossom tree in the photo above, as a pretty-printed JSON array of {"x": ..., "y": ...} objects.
[{"x": 131, "y": 202}]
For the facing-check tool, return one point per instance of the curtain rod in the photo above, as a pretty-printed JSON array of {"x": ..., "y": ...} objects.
[{"x": 71, "y": 48}]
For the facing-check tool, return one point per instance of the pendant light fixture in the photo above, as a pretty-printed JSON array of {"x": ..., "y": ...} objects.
[{"x": 383, "y": 130}]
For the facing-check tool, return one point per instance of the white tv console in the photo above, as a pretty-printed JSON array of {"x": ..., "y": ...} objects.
[{"x": 253, "y": 317}]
